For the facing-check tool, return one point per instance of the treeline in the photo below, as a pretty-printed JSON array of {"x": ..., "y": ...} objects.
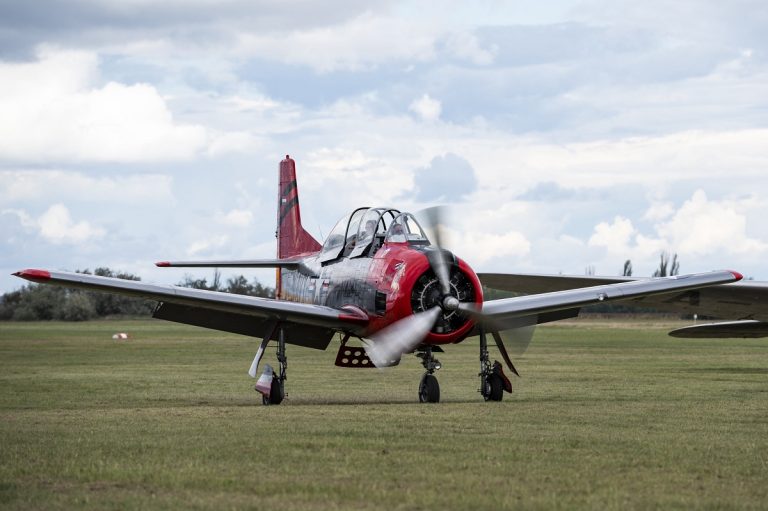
[{"x": 35, "y": 302}]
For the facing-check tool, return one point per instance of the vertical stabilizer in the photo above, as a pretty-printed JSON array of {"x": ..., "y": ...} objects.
[{"x": 292, "y": 239}]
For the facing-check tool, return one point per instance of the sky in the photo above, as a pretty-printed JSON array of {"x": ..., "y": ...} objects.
[{"x": 566, "y": 136}]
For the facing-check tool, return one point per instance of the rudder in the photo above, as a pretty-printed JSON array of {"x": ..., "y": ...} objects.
[{"x": 292, "y": 239}]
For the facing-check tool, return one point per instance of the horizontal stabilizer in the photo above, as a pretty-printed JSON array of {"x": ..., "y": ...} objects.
[
  {"x": 724, "y": 330},
  {"x": 291, "y": 264}
]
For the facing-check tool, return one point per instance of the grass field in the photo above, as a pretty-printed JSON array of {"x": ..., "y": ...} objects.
[{"x": 606, "y": 416}]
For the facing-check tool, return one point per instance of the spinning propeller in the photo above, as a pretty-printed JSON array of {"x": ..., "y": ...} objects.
[{"x": 404, "y": 335}]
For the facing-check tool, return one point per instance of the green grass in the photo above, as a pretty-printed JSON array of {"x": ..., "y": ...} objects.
[{"x": 606, "y": 416}]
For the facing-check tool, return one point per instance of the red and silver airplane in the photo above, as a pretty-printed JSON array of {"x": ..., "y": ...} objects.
[{"x": 379, "y": 279}]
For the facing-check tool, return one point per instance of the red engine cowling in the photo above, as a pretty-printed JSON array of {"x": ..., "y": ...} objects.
[{"x": 411, "y": 287}]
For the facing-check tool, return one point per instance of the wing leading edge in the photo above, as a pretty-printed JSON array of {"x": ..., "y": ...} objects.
[{"x": 312, "y": 325}]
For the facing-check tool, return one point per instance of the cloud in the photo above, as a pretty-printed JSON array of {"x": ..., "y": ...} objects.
[
  {"x": 190, "y": 24},
  {"x": 615, "y": 237},
  {"x": 702, "y": 226},
  {"x": 466, "y": 46},
  {"x": 449, "y": 177},
  {"x": 29, "y": 185},
  {"x": 53, "y": 110},
  {"x": 427, "y": 108},
  {"x": 56, "y": 226},
  {"x": 700, "y": 230},
  {"x": 361, "y": 43},
  {"x": 481, "y": 247},
  {"x": 207, "y": 246},
  {"x": 236, "y": 218}
]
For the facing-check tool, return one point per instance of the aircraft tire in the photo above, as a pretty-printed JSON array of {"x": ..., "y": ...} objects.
[
  {"x": 429, "y": 389},
  {"x": 276, "y": 393},
  {"x": 495, "y": 389}
]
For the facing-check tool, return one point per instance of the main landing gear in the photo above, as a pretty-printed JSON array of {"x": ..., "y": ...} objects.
[
  {"x": 277, "y": 386},
  {"x": 429, "y": 388},
  {"x": 493, "y": 381}
]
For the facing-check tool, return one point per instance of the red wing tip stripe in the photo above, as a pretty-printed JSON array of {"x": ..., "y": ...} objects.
[
  {"x": 737, "y": 275},
  {"x": 163, "y": 264},
  {"x": 33, "y": 274}
]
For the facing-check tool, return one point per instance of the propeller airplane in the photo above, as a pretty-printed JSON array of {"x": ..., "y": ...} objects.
[{"x": 379, "y": 279}]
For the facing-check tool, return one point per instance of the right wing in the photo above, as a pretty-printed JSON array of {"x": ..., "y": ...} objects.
[
  {"x": 507, "y": 312},
  {"x": 305, "y": 324},
  {"x": 746, "y": 302}
]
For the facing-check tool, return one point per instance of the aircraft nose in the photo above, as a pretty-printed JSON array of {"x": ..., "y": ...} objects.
[{"x": 451, "y": 303}]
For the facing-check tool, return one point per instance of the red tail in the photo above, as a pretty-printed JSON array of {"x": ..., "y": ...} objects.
[{"x": 292, "y": 239}]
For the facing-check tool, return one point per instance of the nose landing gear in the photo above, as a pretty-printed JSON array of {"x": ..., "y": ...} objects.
[{"x": 429, "y": 388}]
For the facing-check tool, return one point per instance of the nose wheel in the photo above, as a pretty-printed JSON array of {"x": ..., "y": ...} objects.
[{"x": 429, "y": 388}]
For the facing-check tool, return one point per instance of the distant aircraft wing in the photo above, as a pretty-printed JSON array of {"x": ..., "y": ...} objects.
[
  {"x": 305, "y": 324},
  {"x": 506, "y": 312},
  {"x": 747, "y": 300},
  {"x": 727, "y": 329}
]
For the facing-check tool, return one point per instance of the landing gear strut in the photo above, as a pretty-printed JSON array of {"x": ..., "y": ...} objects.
[
  {"x": 277, "y": 391},
  {"x": 429, "y": 388},
  {"x": 492, "y": 378}
]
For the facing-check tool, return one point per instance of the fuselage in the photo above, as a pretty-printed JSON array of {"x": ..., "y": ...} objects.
[{"x": 386, "y": 280}]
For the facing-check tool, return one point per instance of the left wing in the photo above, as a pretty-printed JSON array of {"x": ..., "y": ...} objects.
[
  {"x": 506, "y": 312},
  {"x": 305, "y": 324}
]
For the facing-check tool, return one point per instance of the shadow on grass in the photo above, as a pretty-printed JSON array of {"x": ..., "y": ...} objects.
[{"x": 728, "y": 370}]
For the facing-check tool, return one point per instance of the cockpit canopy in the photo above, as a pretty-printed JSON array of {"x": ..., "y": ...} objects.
[{"x": 365, "y": 229}]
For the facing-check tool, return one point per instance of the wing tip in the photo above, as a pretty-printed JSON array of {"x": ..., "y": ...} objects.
[
  {"x": 163, "y": 264},
  {"x": 738, "y": 276},
  {"x": 33, "y": 275}
]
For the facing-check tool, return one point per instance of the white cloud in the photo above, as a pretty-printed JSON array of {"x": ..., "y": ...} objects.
[
  {"x": 236, "y": 218},
  {"x": 465, "y": 46},
  {"x": 427, "y": 108},
  {"x": 481, "y": 247},
  {"x": 56, "y": 226},
  {"x": 27, "y": 185},
  {"x": 615, "y": 237},
  {"x": 659, "y": 211},
  {"x": 361, "y": 43},
  {"x": 702, "y": 226},
  {"x": 704, "y": 233},
  {"x": 54, "y": 110},
  {"x": 207, "y": 246}
]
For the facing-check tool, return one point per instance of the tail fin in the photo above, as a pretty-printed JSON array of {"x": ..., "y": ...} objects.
[{"x": 292, "y": 239}]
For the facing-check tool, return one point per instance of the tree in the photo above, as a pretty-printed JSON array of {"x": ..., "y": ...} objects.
[
  {"x": 194, "y": 283},
  {"x": 77, "y": 307},
  {"x": 40, "y": 302},
  {"x": 665, "y": 269},
  {"x": 237, "y": 285},
  {"x": 627, "y": 268}
]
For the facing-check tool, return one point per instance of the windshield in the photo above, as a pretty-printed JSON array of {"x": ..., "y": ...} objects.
[
  {"x": 335, "y": 239},
  {"x": 373, "y": 226},
  {"x": 405, "y": 228}
]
